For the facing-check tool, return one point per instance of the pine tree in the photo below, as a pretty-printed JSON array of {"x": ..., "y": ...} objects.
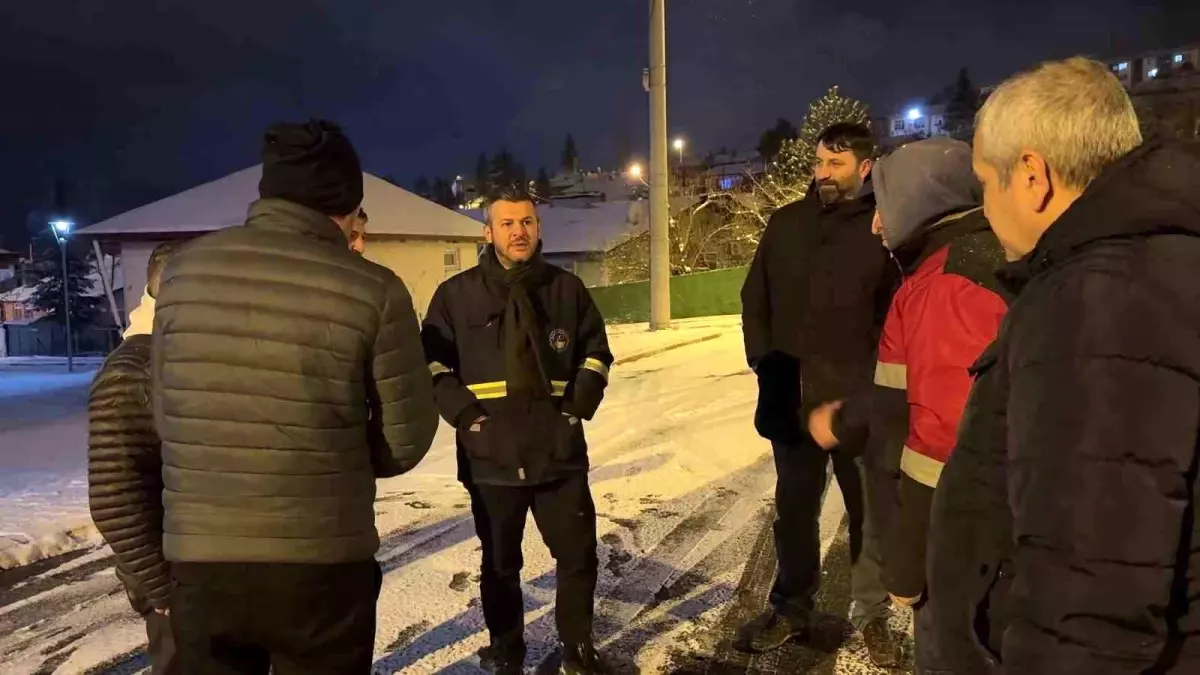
[
  {"x": 482, "y": 176},
  {"x": 442, "y": 192},
  {"x": 961, "y": 105},
  {"x": 570, "y": 155},
  {"x": 48, "y": 296},
  {"x": 773, "y": 139},
  {"x": 422, "y": 187},
  {"x": 542, "y": 188}
]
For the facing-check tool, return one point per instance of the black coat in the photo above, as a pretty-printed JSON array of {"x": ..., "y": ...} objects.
[
  {"x": 1066, "y": 520},
  {"x": 125, "y": 470},
  {"x": 523, "y": 442},
  {"x": 813, "y": 303},
  {"x": 288, "y": 376}
]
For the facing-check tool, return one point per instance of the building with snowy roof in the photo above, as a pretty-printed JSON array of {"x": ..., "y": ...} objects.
[{"x": 422, "y": 242}]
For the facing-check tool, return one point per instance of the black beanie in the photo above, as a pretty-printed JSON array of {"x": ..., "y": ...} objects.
[{"x": 312, "y": 164}]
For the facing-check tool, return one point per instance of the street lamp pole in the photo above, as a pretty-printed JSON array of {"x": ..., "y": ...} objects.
[
  {"x": 660, "y": 231},
  {"x": 61, "y": 228}
]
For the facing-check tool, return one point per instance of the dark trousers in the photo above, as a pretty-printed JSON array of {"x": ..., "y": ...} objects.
[
  {"x": 159, "y": 635},
  {"x": 566, "y": 517},
  {"x": 251, "y": 619},
  {"x": 800, "y": 486}
]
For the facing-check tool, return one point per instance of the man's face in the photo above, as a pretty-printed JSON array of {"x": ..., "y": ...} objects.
[
  {"x": 513, "y": 230},
  {"x": 839, "y": 174},
  {"x": 877, "y": 228},
  {"x": 1002, "y": 206},
  {"x": 358, "y": 234}
]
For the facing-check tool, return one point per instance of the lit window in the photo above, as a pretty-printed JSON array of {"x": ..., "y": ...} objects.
[
  {"x": 1122, "y": 66},
  {"x": 898, "y": 125},
  {"x": 1153, "y": 73},
  {"x": 1179, "y": 58},
  {"x": 727, "y": 182}
]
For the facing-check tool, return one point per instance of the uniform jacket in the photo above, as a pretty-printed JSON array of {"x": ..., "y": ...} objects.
[
  {"x": 1066, "y": 520},
  {"x": 463, "y": 342},
  {"x": 125, "y": 470},
  {"x": 813, "y": 304},
  {"x": 288, "y": 376}
]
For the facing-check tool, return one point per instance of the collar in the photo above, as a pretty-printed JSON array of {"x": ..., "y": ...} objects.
[{"x": 279, "y": 214}]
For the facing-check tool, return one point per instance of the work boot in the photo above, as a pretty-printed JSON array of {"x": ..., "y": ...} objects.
[
  {"x": 582, "y": 659},
  {"x": 885, "y": 650},
  {"x": 502, "y": 661},
  {"x": 769, "y": 632}
]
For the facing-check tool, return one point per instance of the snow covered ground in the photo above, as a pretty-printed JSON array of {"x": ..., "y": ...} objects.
[{"x": 683, "y": 491}]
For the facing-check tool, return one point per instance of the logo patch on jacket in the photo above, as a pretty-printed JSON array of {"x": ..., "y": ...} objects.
[{"x": 559, "y": 340}]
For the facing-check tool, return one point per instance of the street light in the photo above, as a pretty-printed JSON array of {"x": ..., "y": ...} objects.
[
  {"x": 61, "y": 229},
  {"x": 678, "y": 145},
  {"x": 914, "y": 114},
  {"x": 635, "y": 171}
]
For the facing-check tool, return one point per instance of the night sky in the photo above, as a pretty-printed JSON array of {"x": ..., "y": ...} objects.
[{"x": 134, "y": 100}]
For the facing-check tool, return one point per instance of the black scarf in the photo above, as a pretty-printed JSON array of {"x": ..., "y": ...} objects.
[{"x": 519, "y": 327}]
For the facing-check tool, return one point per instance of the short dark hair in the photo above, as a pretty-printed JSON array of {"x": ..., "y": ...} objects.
[
  {"x": 505, "y": 193},
  {"x": 853, "y": 136},
  {"x": 159, "y": 258}
]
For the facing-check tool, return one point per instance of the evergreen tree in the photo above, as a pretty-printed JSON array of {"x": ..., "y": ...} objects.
[
  {"x": 570, "y": 155},
  {"x": 772, "y": 139},
  {"x": 422, "y": 187},
  {"x": 442, "y": 192},
  {"x": 506, "y": 171},
  {"x": 48, "y": 296},
  {"x": 483, "y": 173},
  {"x": 542, "y": 188},
  {"x": 961, "y": 105}
]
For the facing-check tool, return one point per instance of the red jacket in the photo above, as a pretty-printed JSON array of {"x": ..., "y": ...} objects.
[{"x": 939, "y": 323}]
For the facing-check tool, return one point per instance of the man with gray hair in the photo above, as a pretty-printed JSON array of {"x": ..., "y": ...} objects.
[{"x": 1065, "y": 536}]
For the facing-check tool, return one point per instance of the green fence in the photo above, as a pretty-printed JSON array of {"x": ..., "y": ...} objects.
[{"x": 704, "y": 294}]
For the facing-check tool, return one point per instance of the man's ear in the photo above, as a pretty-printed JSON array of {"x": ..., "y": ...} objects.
[
  {"x": 864, "y": 169},
  {"x": 1036, "y": 179},
  {"x": 487, "y": 233}
]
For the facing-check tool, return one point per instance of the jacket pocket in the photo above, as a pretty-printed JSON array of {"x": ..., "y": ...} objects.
[{"x": 989, "y": 609}]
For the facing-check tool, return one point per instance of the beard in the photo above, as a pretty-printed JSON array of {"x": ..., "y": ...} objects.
[{"x": 832, "y": 191}]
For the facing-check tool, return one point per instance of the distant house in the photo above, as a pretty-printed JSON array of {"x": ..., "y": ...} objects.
[
  {"x": 424, "y": 243},
  {"x": 16, "y": 306},
  {"x": 8, "y": 265}
]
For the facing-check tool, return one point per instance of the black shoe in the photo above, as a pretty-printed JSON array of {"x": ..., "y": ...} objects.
[
  {"x": 885, "y": 650},
  {"x": 770, "y": 631},
  {"x": 582, "y": 659},
  {"x": 502, "y": 662}
]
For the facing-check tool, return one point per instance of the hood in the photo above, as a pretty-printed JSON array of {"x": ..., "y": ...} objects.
[
  {"x": 921, "y": 183},
  {"x": 1150, "y": 191},
  {"x": 141, "y": 319}
]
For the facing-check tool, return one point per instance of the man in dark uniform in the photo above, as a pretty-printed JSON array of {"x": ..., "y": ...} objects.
[
  {"x": 813, "y": 307},
  {"x": 520, "y": 358}
]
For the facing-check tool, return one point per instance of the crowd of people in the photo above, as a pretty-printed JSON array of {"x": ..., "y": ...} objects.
[{"x": 995, "y": 346}]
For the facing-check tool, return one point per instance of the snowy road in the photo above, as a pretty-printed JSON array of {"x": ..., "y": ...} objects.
[{"x": 683, "y": 488}]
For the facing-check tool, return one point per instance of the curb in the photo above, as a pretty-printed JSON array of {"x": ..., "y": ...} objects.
[{"x": 655, "y": 352}]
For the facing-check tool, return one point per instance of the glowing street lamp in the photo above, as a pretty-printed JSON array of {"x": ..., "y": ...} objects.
[
  {"x": 679, "y": 145},
  {"x": 635, "y": 171},
  {"x": 914, "y": 114},
  {"x": 61, "y": 229}
]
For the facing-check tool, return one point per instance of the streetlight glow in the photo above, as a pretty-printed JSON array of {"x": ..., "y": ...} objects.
[
  {"x": 679, "y": 144},
  {"x": 914, "y": 114},
  {"x": 61, "y": 227},
  {"x": 635, "y": 170}
]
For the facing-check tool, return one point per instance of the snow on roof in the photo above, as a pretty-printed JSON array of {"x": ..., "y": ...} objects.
[
  {"x": 224, "y": 202},
  {"x": 20, "y": 294}
]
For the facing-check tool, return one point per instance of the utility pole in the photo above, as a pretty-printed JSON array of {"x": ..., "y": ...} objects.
[{"x": 660, "y": 212}]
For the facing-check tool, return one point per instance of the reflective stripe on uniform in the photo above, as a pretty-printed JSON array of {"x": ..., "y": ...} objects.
[
  {"x": 924, "y": 470},
  {"x": 492, "y": 390},
  {"x": 596, "y": 366},
  {"x": 438, "y": 369},
  {"x": 891, "y": 375}
]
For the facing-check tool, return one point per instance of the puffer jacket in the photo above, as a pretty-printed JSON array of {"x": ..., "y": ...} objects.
[
  {"x": 1066, "y": 526},
  {"x": 125, "y": 471},
  {"x": 288, "y": 376}
]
